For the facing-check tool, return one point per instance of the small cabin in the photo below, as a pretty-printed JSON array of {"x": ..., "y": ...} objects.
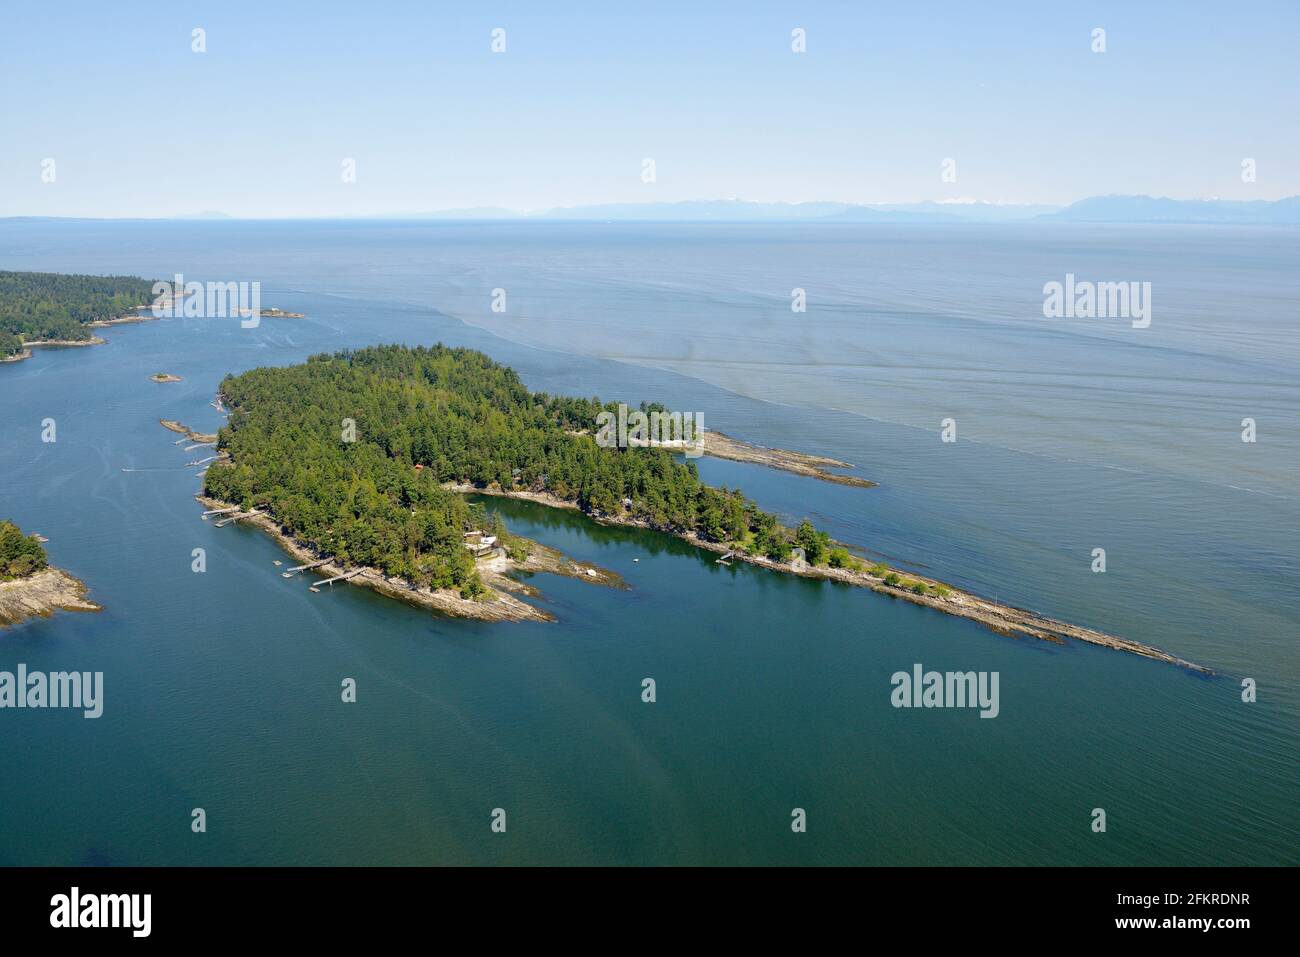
[{"x": 479, "y": 544}]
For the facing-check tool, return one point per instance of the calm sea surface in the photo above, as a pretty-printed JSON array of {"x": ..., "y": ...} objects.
[{"x": 222, "y": 688}]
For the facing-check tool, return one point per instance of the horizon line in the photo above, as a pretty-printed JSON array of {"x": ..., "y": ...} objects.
[{"x": 506, "y": 214}]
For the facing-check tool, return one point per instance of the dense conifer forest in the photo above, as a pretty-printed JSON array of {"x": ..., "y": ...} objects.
[
  {"x": 349, "y": 453},
  {"x": 41, "y": 305}
]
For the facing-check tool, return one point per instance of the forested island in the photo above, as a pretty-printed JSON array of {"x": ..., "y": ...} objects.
[
  {"x": 38, "y": 308},
  {"x": 371, "y": 493},
  {"x": 28, "y": 585},
  {"x": 361, "y": 457}
]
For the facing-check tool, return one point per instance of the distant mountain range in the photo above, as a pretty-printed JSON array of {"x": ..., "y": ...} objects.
[
  {"x": 1095, "y": 209},
  {"x": 1158, "y": 209}
]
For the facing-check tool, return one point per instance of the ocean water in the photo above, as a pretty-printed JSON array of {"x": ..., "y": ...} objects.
[{"x": 222, "y": 688}]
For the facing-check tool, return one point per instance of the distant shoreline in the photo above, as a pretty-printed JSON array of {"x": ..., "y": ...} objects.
[
  {"x": 143, "y": 314},
  {"x": 125, "y": 320},
  {"x": 26, "y": 352}
]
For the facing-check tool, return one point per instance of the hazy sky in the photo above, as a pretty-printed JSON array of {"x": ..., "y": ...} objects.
[{"x": 140, "y": 125}]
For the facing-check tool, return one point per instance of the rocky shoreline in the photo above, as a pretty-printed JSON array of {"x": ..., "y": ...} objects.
[
  {"x": 182, "y": 429},
  {"x": 940, "y": 596},
  {"x": 30, "y": 344},
  {"x": 26, "y": 352},
  {"x": 999, "y": 618},
  {"x": 501, "y": 605},
  {"x": 41, "y": 594},
  {"x": 719, "y": 445},
  {"x": 723, "y": 446}
]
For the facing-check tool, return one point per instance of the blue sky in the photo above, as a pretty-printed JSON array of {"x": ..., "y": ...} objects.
[{"x": 259, "y": 125}]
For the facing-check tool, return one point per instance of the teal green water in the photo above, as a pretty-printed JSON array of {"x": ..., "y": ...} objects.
[{"x": 222, "y": 688}]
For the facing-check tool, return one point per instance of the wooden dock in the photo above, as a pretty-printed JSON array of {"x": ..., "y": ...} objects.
[
  {"x": 235, "y": 518},
  {"x": 337, "y": 578},
  {"x": 289, "y": 573},
  {"x": 219, "y": 511}
]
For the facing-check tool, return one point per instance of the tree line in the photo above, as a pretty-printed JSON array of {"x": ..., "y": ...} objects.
[{"x": 20, "y": 555}]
